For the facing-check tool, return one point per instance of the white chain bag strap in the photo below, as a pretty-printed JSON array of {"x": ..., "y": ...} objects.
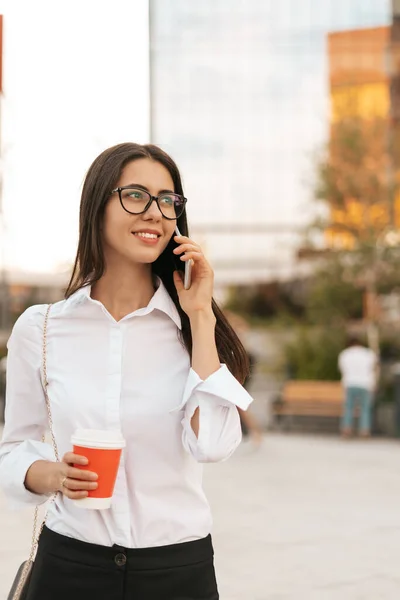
[{"x": 19, "y": 588}]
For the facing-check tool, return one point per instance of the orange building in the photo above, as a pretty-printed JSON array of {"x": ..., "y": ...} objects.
[
  {"x": 360, "y": 83},
  {"x": 358, "y": 72}
]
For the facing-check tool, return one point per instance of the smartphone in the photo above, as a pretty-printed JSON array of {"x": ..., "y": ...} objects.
[{"x": 187, "y": 280}]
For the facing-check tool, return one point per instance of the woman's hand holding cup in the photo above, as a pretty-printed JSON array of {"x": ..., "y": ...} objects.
[{"x": 73, "y": 482}]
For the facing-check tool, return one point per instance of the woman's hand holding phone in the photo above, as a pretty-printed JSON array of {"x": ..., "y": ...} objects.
[
  {"x": 198, "y": 296},
  {"x": 187, "y": 281}
]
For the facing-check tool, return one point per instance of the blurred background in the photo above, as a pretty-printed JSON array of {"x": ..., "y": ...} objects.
[{"x": 284, "y": 118}]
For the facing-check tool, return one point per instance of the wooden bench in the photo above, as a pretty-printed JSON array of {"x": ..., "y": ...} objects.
[{"x": 309, "y": 398}]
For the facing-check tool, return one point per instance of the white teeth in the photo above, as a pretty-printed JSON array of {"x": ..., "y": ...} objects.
[{"x": 152, "y": 236}]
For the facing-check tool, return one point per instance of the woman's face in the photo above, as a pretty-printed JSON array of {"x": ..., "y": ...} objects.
[{"x": 131, "y": 237}]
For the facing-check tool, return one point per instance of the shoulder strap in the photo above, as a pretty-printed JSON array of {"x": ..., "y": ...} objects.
[
  {"x": 46, "y": 383},
  {"x": 36, "y": 531}
]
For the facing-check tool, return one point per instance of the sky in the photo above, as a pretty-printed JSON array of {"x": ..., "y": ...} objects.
[{"x": 77, "y": 81}]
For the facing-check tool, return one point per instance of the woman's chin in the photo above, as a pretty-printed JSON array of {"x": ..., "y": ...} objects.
[{"x": 144, "y": 258}]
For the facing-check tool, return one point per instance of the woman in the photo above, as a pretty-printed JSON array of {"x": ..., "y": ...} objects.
[{"x": 128, "y": 349}]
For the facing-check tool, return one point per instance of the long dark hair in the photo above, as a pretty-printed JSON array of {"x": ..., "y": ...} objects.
[{"x": 89, "y": 265}]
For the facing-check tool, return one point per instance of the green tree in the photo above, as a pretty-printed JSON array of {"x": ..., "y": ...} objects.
[
  {"x": 332, "y": 297},
  {"x": 313, "y": 354},
  {"x": 355, "y": 185}
]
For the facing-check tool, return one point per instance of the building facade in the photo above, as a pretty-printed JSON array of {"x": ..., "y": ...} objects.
[
  {"x": 220, "y": 96},
  {"x": 361, "y": 79}
]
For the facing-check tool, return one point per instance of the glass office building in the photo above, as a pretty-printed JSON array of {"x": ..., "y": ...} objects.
[{"x": 239, "y": 95}]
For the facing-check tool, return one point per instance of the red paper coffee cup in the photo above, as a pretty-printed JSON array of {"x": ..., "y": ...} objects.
[{"x": 103, "y": 450}]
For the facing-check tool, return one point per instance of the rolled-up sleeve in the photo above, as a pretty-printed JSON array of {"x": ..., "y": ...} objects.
[
  {"x": 25, "y": 414},
  {"x": 217, "y": 398}
]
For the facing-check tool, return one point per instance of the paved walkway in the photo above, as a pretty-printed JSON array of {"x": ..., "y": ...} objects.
[{"x": 303, "y": 518}]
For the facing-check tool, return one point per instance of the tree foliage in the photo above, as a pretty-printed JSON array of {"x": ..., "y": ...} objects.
[
  {"x": 333, "y": 299},
  {"x": 313, "y": 354},
  {"x": 353, "y": 179}
]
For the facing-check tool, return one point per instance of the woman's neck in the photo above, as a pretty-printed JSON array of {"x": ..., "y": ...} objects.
[{"x": 122, "y": 291}]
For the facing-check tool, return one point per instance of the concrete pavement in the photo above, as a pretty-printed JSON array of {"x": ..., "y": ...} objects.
[{"x": 302, "y": 518}]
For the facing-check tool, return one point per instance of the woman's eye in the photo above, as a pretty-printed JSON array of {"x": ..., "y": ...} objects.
[
  {"x": 168, "y": 200},
  {"x": 135, "y": 195}
]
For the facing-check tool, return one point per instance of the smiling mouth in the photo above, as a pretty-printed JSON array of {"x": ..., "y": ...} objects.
[{"x": 148, "y": 236}]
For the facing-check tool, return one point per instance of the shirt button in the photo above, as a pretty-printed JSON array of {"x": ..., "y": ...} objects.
[{"x": 120, "y": 560}]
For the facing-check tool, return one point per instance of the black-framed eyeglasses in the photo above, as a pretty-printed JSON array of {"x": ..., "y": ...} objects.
[{"x": 136, "y": 201}]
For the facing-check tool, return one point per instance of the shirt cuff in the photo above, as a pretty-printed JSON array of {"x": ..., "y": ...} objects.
[
  {"x": 221, "y": 384},
  {"x": 13, "y": 486}
]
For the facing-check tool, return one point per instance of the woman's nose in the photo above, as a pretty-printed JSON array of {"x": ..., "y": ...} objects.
[{"x": 153, "y": 212}]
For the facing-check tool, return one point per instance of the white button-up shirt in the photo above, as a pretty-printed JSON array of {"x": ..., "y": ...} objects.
[{"x": 133, "y": 375}]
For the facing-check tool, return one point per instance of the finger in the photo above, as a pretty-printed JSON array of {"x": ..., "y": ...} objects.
[
  {"x": 77, "y": 484},
  {"x": 186, "y": 248},
  {"x": 75, "y": 495},
  {"x": 196, "y": 256},
  {"x": 74, "y": 459},
  {"x": 181, "y": 238},
  {"x": 81, "y": 474}
]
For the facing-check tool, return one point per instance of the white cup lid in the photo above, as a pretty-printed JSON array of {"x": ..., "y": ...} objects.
[{"x": 98, "y": 438}]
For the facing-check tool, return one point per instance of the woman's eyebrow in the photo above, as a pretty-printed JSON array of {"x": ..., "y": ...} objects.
[{"x": 143, "y": 187}]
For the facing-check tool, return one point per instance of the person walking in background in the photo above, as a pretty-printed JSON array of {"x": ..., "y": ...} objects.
[{"x": 358, "y": 366}]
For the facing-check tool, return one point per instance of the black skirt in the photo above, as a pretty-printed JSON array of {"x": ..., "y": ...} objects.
[{"x": 67, "y": 569}]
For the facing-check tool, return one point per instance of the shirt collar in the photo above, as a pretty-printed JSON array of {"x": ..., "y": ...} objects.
[{"x": 161, "y": 300}]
